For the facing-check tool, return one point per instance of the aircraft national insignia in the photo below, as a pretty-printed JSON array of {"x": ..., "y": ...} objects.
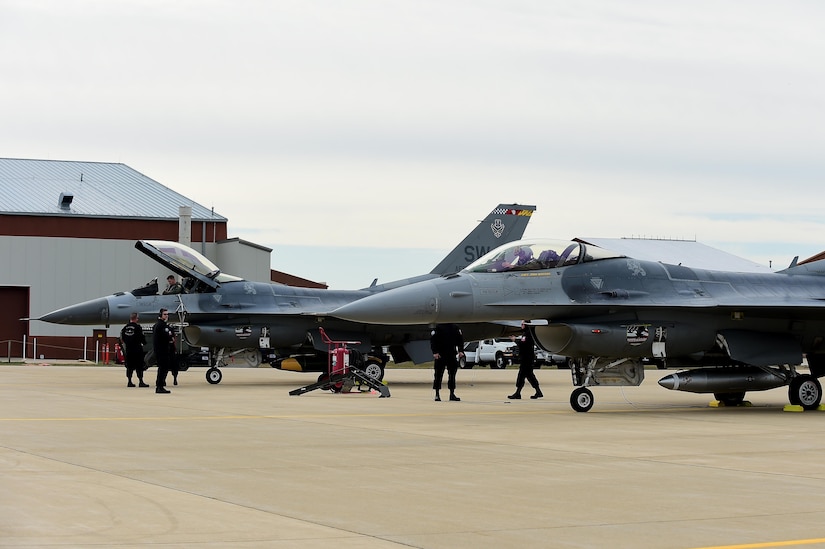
[
  {"x": 498, "y": 228},
  {"x": 597, "y": 282}
]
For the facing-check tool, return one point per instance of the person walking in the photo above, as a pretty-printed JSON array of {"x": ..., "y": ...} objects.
[
  {"x": 163, "y": 339},
  {"x": 447, "y": 344},
  {"x": 132, "y": 339},
  {"x": 527, "y": 357}
]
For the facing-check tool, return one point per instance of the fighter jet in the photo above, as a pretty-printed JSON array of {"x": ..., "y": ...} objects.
[
  {"x": 730, "y": 332},
  {"x": 249, "y": 323}
]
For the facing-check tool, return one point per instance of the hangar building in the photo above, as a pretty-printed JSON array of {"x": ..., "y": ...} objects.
[{"x": 67, "y": 234}]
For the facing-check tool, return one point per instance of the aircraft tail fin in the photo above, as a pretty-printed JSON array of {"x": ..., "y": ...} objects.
[
  {"x": 814, "y": 266},
  {"x": 505, "y": 223}
]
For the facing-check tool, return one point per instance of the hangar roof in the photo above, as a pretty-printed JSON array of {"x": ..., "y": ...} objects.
[
  {"x": 99, "y": 189},
  {"x": 678, "y": 252}
]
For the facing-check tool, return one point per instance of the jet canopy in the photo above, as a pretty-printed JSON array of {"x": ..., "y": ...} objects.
[
  {"x": 201, "y": 274},
  {"x": 527, "y": 255}
]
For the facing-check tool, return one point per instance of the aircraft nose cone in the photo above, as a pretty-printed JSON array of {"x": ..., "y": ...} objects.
[
  {"x": 417, "y": 304},
  {"x": 670, "y": 382},
  {"x": 93, "y": 312}
]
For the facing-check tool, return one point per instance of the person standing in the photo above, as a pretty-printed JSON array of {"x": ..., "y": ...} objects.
[
  {"x": 527, "y": 357},
  {"x": 163, "y": 339},
  {"x": 133, "y": 340},
  {"x": 447, "y": 344}
]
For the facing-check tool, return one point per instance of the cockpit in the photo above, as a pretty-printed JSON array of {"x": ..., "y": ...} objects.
[
  {"x": 528, "y": 255},
  {"x": 198, "y": 274}
]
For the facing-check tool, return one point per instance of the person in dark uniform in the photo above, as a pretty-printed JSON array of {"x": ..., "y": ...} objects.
[
  {"x": 447, "y": 343},
  {"x": 527, "y": 357},
  {"x": 163, "y": 339},
  {"x": 133, "y": 340}
]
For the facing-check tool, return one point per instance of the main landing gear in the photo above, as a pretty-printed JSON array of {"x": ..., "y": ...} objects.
[
  {"x": 806, "y": 391},
  {"x": 602, "y": 371}
]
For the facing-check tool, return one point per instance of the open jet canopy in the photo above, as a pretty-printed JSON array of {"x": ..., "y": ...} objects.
[
  {"x": 202, "y": 274},
  {"x": 527, "y": 255}
]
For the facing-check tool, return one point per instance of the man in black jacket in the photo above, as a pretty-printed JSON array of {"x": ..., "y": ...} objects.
[
  {"x": 527, "y": 356},
  {"x": 447, "y": 343},
  {"x": 163, "y": 339},
  {"x": 133, "y": 340}
]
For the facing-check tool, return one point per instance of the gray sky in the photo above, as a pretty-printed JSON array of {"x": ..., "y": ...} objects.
[{"x": 399, "y": 124}]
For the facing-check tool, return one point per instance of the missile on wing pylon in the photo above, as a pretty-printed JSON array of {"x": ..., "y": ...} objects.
[{"x": 724, "y": 380}]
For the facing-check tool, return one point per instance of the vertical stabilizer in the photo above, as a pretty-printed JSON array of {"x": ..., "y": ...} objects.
[{"x": 505, "y": 223}]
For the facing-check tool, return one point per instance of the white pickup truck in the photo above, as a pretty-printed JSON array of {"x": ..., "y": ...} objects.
[
  {"x": 498, "y": 353},
  {"x": 546, "y": 357}
]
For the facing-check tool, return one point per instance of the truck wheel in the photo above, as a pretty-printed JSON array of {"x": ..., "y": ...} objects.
[{"x": 500, "y": 363}]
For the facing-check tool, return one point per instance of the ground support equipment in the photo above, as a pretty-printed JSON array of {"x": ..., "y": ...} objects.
[{"x": 342, "y": 377}]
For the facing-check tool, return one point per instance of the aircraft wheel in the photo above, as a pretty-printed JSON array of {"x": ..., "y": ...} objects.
[
  {"x": 730, "y": 399},
  {"x": 581, "y": 399},
  {"x": 806, "y": 391},
  {"x": 214, "y": 375},
  {"x": 322, "y": 378},
  {"x": 374, "y": 369}
]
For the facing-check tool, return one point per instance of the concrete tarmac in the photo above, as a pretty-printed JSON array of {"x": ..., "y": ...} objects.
[{"x": 87, "y": 462}]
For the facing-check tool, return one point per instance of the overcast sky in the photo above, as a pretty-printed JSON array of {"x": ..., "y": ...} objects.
[{"x": 400, "y": 124}]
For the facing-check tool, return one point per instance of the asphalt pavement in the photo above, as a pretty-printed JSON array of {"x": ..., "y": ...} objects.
[{"x": 87, "y": 462}]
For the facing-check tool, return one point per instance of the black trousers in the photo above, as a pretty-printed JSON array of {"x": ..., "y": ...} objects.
[
  {"x": 134, "y": 365},
  {"x": 440, "y": 365},
  {"x": 525, "y": 372},
  {"x": 163, "y": 369}
]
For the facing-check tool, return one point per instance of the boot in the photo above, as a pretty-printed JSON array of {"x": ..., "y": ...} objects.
[
  {"x": 454, "y": 398},
  {"x": 515, "y": 396},
  {"x": 130, "y": 384},
  {"x": 142, "y": 384},
  {"x": 538, "y": 394},
  {"x": 162, "y": 390},
  {"x": 437, "y": 396}
]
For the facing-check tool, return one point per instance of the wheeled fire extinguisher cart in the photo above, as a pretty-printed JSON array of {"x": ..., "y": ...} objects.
[{"x": 343, "y": 374}]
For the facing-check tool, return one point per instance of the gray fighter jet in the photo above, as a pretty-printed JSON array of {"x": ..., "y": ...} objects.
[
  {"x": 247, "y": 323},
  {"x": 733, "y": 332}
]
